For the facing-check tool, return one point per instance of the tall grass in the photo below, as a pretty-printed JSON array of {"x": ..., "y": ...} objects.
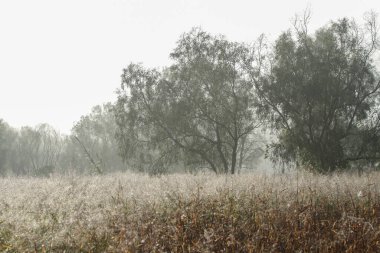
[{"x": 254, "y": 212}]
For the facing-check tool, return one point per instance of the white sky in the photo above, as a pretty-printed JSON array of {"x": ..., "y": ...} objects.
[{"x": 58, "y": 58}]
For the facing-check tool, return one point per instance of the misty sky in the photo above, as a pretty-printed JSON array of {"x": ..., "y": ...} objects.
[{"x": 58, "y": 58}]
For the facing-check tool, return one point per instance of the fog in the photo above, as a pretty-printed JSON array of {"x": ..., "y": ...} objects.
[{"x": 61, "y": 58}]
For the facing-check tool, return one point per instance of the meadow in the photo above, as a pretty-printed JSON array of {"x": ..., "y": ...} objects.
[{"x": 253, "y": 212}]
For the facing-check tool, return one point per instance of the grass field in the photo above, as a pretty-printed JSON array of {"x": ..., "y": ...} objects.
[{"x": 254, "y": 212}]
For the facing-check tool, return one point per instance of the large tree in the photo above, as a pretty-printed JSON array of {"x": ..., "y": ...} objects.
[
  {"x": 199, "y": 109},
  {"x": 322, "y": 95}
]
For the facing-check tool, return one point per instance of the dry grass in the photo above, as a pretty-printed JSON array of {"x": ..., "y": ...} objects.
[{"x": 184, "y": 213}]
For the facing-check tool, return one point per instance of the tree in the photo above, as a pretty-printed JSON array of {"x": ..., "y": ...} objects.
[
  {"x": 38, "y": 150},
  {"x": 8, "y": 156},
  {"x": 93, "y": 138},
  {"x": 322, "y": 95},
  {"x": 3, "y": 148},
  {"x": 198, "y": 110}
]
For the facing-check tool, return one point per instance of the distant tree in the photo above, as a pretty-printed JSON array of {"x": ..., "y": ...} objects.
[
  {"x": 3, "y": 148},
  {"x": 250, "y": 150},
  {"x": 93, "y": 138},
  {"x": 71, "y": 159},
  {"x": 38, "y": 150},
  {"x": 322, "y": 95},
  {"x": 197, "y": 111},
  {"x": 50, "y": 149},
  {"x": 27, "y": 150},
  {"x": 41, "y": 150},
  {"x": 8, "y": 137}
]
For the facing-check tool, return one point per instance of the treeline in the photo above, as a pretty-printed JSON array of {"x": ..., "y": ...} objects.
[
  {"x": 91, "y": 148},
  {"x": 318, "y": 94},
  {"x": 40, "y": 151}
]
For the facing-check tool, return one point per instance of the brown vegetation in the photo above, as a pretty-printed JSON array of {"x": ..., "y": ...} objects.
[{"x": 184, "y": 213}]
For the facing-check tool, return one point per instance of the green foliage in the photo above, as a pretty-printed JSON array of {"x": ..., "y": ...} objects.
[
  {"x": 41, "y": 150},
  {"x": 38, "y": 150},
  {"x": 321, "y": 94},
  {"x": 94, "y": 143},
  {"x": 196, "y": 111},
  {"x": 7, "y": 147}
]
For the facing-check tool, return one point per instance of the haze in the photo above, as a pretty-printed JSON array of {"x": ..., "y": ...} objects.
[{"x": 60, "y": 58}]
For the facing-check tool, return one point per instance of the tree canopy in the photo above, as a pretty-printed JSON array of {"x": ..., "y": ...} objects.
[
  {"x": 199, "y": 108},
  {"x": 318, "y": 92},
  {"x": 322, "y": 95}
]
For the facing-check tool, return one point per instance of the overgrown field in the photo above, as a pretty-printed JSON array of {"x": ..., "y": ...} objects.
[{"x": 254, "y": 212}]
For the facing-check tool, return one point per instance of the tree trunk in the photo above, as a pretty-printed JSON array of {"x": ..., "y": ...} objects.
[
  {"x": 241, "y": 156},
  {"x": 233, "y": 158},
  {"x": 219, "y": 148}
]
